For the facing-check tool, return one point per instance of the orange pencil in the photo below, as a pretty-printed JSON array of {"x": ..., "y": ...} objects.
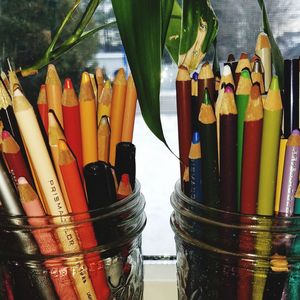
[
  {"x": 71, "y": 114},
  {"x": 43, "y": 106},
  {"x": 104, "y": 102},
  {"x": 129, "y": 111},
  {"x": 88, "y": 120},
  {"x": 117, "y": 113},
  {"x": 46, "y": 240},
  {"x": 103, "y": 139},
  {"x": 55, "y": 133},
  {"x": 78, "y": 201},
  {"x": 124, "y": 188},
  {"x": 54, "y": 93}
]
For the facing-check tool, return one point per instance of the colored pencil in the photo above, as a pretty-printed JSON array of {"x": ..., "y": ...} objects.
[
  {"x": 291, "y": 96},
  {"x": 13, "y": 81},
  {"x": 269, "y": 150},
  {"x": 129, "y": 111},
  {"x": 186, "y": 181},
  {"x": 100, "y": 82},
  {"x": 125, "y": 162},
  {"x": 257, "y": 75},
  {"x": 124, "y": 188},
  {"x": 228, "y": 151},
  {"x": 71, "y": 115},
  {"x": 183, "y": 100},
  {"x": 231, "y": 62},
  {"x": 104, "y": 102},
  {"x": 23, "y": 241},
  {"x": 88, "y": 121},
  {"x": 243, "y": 63},
  {"x": 290, "y": 174},
  {"x": 54, "y": 93},
  {"x": 195, "y": 169},
  {"x": 227, "y": 77},
  {"x": 206, "y": 79},
  {"x": 48, "y": 182},
  {"x": 103, "y": 139},
  {"x": 94, "y": 85},
  {"x": 242, "y": 98},
  {"x": 72, "y": 180},
  {"x": 263, "y": 50},
  {"x": 251, "y": 152},
  {"x": 46, "y": 240},
  {"x": 117, "y": 113},
  {"x": 209, "y": 149},
  {"x": 5, "y": 80},
  {"x": 14, "y": 158},
  {"x": 281, "y": 155},
  {"x": 195, "y": 101},
  {"x": 43, "y": 106}
]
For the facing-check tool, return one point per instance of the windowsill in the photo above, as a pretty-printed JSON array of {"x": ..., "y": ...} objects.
[{"x": 160, "y": 280}]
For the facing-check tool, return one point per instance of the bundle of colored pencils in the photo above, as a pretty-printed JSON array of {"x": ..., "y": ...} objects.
[
  {"x": 69, "y": 157},
  {"x": 232, "y": 151}
]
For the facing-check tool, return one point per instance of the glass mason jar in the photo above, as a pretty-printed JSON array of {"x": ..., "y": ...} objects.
[
  {"x": 110, "y": 269},
  {"x": 222, "y": 255}
]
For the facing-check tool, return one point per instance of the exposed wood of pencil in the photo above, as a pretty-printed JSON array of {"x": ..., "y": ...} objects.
[
  {"x": 228, "y": 151},
  {"x": 269, "y": 149},
  {"x": 5, "y": 80},
  {"x": 103, "y": 139},
  {"x": 183, "y": 97},
  {"x": 263, "y": 50},
  {"x": 14, "y": 158},
  {"x": 46, "y": 240},
  {"x": 55, "y": 133},
  {"x": 54, "y": 93},
  {"x": 117, "y": 113},
  {"x": 13, "y": 81},
  {"x": 72, "y": 180},
  {"x": 258, "y": 76},
  {"x": 243, "y": 63},
  {"x": 206, "y": 79},
  {"x": 50, "y": 187},
  {"x": 129, "y": 111},
  {"x": 94, "y": 85},
  {"x": 100, "y": 82},
  {"x": 43, "y": 106},
  {"x": 209, "y": 148},
  {"x": 88, "y": 121},
  {"x": 104, "y": 102},
  {"x": 71, "y": 114},
  {"x": 251, "y": 152}
]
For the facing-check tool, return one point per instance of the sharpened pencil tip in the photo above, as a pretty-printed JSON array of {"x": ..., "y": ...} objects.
[
  {"x": 274, "y": 83},
  {"x": 245, "y": 74},
  {"x": 226, "y": 70},
  {"x": 195, "y": 76},
  {"x": 5, "y": 134},
  {"x": 196, "y": 137},
  {"x": 85, "y": 77},
  {"x": 68, "y": 84},
  {"x": 228, "y": 88},
  {"x": 206, "y": 99},
  {"x": 22, "y": 180}
]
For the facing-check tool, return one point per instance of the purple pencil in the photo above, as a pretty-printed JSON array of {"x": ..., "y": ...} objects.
[{"x": 290, "y": 174}]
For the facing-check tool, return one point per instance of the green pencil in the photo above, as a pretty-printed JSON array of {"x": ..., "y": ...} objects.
[
  {"x": 209, "y": 148},
  {"x": 242, "y": 98}
]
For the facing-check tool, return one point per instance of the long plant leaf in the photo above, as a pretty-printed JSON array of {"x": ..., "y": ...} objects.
[
  {"x": 276, "y": 53},
  {"x": 166, "y": 11},
  {"x": 140, "y": 25},
  {"x": 174, "y": 31},
  {"x": 198, "y": 31}
]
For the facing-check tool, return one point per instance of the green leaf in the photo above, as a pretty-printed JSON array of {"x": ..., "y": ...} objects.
[
  {"x": 166, "y": 10},
  {"x": 174, "y": 31},
  {"x": 140, "y": 25},
  {"x": 198, "y": 31},
  {"x": 276, "y": 53}
]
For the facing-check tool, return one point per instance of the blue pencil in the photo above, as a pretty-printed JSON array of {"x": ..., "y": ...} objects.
[{"x": 195, "y": 168}]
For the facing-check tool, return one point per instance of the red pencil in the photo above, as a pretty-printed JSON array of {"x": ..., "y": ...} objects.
[
  {"x": 124, "y": 188},
  {"x": 71, "y": 115},
  {"x": 251, "y": 152},
  {"x": 43, "y": 106},
  {"x": 183, "y": 95},
  {"x": 78, "y": 202},
  {"x": 14, "y": 158}
]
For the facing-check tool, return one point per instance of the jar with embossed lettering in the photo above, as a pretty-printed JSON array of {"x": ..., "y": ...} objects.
[{"x": 110, "y": 269}]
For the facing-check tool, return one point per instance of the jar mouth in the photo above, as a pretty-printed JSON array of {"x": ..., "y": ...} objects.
[{"x": 199, "y": 212}]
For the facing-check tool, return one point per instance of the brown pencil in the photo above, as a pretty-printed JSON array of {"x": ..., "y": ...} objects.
[
  {"x": 183, "y": 97},
  {"x": 228, "y": 151}
]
